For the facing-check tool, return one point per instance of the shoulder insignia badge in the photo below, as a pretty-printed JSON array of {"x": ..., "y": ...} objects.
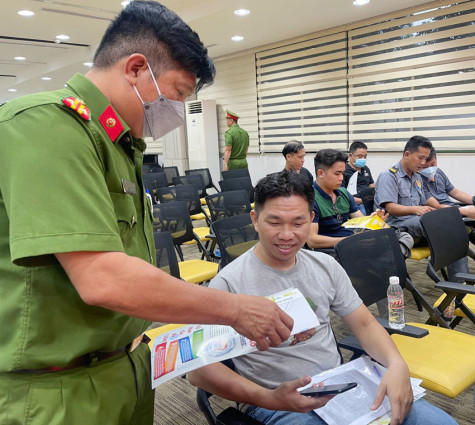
[
  {"x": 393, "y": 170},
  {"x": 111, "y": 123},
  {"x": 77, "y": 105}
]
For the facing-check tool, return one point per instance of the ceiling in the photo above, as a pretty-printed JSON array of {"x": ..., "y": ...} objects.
[{"x": 84, "y": 21}]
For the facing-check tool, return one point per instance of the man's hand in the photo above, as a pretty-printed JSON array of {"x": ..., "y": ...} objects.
[
  {"x": 261, "y": 320},
  {"x": 225, "y": 167},
  {"x": 358, "y": 201},
  {"x": 383, "y": 215},
  {"x": 286, "y": 397},
  {"x": 397, "y": 385},
  {"x": 422, "y": 209}
]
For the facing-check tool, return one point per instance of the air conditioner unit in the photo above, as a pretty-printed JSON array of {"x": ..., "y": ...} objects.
[{"x": 202, "y": 136}]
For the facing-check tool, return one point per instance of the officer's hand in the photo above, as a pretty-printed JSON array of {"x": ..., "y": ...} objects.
[
  {"x": 286, "y": 397},
  {"x": 261, "y": 320},
  {"x": 225, "y": 167},
  {"x": 380, "y": 213},
  {"x": 422, "y": 209}
]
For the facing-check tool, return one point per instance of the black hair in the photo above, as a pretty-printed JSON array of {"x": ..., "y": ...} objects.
[
  {"x": 283, "y": 184},
  {"x": 416, "y": 142},
  {"x": 432, "y": 154},
  {"x": 149, "y": 28},
  {"x": 325, "y": 158},
  {"x": 357, "y": 145},
  {"x": 292, "y": 147}
]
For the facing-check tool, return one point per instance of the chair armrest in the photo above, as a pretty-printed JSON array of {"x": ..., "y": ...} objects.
[
  {"x": 408, "y": 330},
  {"x": 455, "y": 287},
  {"x": 467, "y": 277},
  {"x": 351, "y": 343}
]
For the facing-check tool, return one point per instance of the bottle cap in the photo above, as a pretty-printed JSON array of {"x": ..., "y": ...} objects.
[
  {"x": 393, "y": 280},
  {"x": 146, "y": 191}
]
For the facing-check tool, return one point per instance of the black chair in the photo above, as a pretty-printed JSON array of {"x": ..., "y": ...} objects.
[
  {"x": 196, "y": 180},
  {"x": 229, "y": 416},
  {"x": 449, "y": 242},
  {"x": 235, "y": 235},
  {"x": 153, "y": 181},
  {"x": 208, "y": 180},
  {"x": 238, "y": 183},
  {"x": 194, "y": 271},
  {"x": 434, "y": 354},
  {"x": 151, "y": 168},
  {"x": 174, "y": 217},
  {"x": 188, "y": 193},
  {"x": 171, "y": 171},
  {"x": 232, "y": 174},
  {"x": 227, "y": 204}
]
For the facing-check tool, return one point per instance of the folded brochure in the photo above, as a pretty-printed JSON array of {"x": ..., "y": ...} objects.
[{"x": 189, "y": 347}]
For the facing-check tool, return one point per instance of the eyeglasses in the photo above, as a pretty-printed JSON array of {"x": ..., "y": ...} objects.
[{"x": 338, "y": 215}]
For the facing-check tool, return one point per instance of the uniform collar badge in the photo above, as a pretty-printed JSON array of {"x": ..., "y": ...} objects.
[
  {"x": 77, "y": 105},
  {"x": 111, "y": 123}
]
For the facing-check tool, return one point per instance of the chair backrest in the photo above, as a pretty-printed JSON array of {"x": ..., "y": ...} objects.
[
  {"x": 174, "y": 217},
  {"x": 235, "y": 235},
  {"x": 153, "y": 181},
  {"x": 238, "y": 183},
  {"x": 370, "y": 259},
  {"x": 186, "y": 192},
  {"x": 447, "y": 236},
  {"x": 171, "y": 172},
  {"x": 151, "y": 168},
  {"x": 232, "y": 174},
  {"x": 165, "y": 253},
  {"x": 208, "y": 180},
  {"x": 195, "y": 179},
  {"x": 227, "y": 204}
]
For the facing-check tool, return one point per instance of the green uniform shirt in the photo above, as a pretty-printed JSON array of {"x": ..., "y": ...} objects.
[
  {"x": 238, "y": 139},
  {"x": 62, "y": 181}
]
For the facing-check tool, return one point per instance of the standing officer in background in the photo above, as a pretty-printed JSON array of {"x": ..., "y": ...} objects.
[
  {"x": 237, "y": 143},
  {"x": 294, "y": 154},
  {"x": 77, "y": 276}
]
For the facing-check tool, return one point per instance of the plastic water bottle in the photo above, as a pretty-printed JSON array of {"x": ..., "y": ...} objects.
[
  {"x": 149, "y": 197},
  {"x": 217, "y": 253},
  {"x": 395, "y": 304}
]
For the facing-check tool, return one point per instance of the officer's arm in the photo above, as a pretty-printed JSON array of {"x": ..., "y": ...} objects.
[
  {"x": 314, "y": 240},
  {"x": 461, "y": 196},
  {"x": 227, "y": 154},
  {"x": 129, "y": 285}
]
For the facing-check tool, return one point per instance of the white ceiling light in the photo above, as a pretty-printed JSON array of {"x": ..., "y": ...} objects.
[
  {"x": 19, "y": 58},
  {"x": 46, "y": 78},
  {"x": 26, "y": 13},
  {"x": 242, "y": 12},
  {"x": 62, "y": 37},
  {"x": 360, "y": 2},
  {"x": 237, "y": 38},
  {"x": 89, "y": 64},
  {"x": 12, "y": 90}
]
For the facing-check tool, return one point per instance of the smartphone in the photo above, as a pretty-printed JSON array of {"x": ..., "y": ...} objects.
[{"x": 328, "y": 389}]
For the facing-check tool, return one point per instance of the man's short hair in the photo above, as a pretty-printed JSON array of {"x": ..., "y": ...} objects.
[
  {"x": 325, "y": 158},
  {"x": 149, "y": 28},
  {"x": 283, "y": 184},
  {"x": 292, "y": 147},
  {"x": 416, "y": 142},
  {"x": 357, "y": 145},
  {"x": 432, "y": 154}
]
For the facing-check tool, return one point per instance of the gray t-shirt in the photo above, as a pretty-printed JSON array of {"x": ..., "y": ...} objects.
[
  {"x": 440, "y": 187},
  {"x": 320, "y": 279}
]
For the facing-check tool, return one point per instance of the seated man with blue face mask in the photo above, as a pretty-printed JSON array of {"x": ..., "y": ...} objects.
[
  {"x": 438, "y": 184},
  {"x": 357, "y": 178}
]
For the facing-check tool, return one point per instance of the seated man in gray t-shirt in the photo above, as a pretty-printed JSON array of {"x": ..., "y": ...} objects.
[{"x": 267, "y": 381}]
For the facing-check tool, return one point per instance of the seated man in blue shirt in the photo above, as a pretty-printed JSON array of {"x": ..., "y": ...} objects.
[
  {"x": 439, "y": 186},
  {"x": 266, "y": 383},
  {"x": 333, "y": 204}
]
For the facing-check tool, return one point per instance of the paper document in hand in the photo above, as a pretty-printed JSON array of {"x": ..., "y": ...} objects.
[
  {"x": 353, "y": 407},
  {"x": 189, "y": 347},
  {"x": 366, "y": 223}
]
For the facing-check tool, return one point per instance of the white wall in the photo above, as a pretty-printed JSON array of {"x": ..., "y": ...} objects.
[{"x": 460, "y": 168}]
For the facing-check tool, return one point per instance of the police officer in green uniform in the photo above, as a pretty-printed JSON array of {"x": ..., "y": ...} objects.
[
  {"x": 77, "y": 276},
  {"x": 237, "y": 143}
]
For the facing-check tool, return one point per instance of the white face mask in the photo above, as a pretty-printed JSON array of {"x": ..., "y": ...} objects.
[
  {"x": 429, "y": 172},
  {"x": 161, "y": 115}
]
